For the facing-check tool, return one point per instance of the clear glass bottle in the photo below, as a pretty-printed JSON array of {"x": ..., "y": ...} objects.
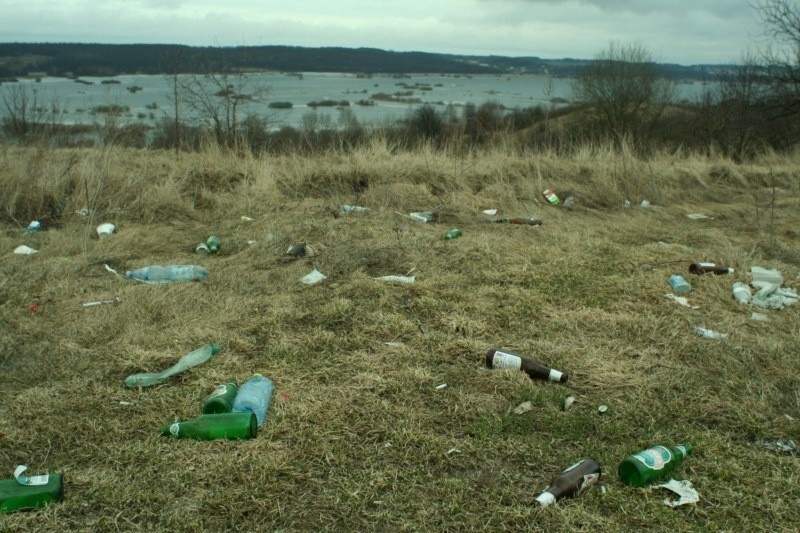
[
  {"x": 572, "y": 482},
  {"x": 501, "y": 358},
  {"x": 651, "y": 464},
  {"x": 211, "y": 427},
  {"x": 254, "y": 396}
]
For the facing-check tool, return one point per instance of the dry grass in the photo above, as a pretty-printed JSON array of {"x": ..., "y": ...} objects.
[{"x": 359, "y": 437}]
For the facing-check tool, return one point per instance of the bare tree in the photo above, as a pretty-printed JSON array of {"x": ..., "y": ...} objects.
[
  {"x": 218, "y": 100},
  {"x": 25, "y": 117},
  {"x": 623, "y": 88}
]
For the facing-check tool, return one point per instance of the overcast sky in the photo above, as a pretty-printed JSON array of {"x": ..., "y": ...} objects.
[{"x": 675, "y": 31}]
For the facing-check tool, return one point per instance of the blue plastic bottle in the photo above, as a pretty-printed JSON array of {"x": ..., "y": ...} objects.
[
  {"x": 167, "y": 274},
  {"x": 254, "y": 396},
  {"x": 679, "y": 284}
]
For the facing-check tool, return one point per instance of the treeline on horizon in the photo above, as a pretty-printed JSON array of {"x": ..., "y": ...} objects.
[{"x": 77, "y": 59}]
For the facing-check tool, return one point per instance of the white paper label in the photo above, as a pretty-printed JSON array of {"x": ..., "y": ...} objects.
[
  {"x": 555, "y": 375},
  {"x": 707, "y": 265},
  {"x": 32, "y": 480},
  {"x": 506, "y": 360}
]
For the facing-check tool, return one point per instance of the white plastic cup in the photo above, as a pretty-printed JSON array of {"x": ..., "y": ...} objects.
[{"x": 103, "y": 230}]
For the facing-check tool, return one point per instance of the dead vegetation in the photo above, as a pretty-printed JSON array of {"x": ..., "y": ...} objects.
[{"x": 359, "y": 436}]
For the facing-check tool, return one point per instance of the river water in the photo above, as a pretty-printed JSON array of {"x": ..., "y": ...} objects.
[{"x": 147, "y": 98}]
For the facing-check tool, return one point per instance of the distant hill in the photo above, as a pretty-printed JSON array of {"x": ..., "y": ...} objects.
[{"x": 73, "y": 59}]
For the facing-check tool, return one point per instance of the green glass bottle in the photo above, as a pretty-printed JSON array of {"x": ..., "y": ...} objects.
[
  {"x": 221, "y": 400},
  {"x": 14, "y": 496},
  {"x": 211, "y": 427},
  {"x": 453, "y": 234},
  {"x": 651, "y": 464},
  {"x": 213, "y": 244}
]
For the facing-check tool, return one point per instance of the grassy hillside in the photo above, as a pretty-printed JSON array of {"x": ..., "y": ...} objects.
[{"x": 360, "y": 436}]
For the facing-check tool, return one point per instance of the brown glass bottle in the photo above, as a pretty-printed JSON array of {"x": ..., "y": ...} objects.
[
  {"x": 572, "y": 482},
  {"x": 500, "y": 358},
  {"x": 709, "y": 268},
  {"x": 519, "y": 220}
]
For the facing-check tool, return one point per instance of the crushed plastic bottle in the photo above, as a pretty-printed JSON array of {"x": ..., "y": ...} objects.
[
  {"x": 741, "y": 292},
  {"x": 254, "y": 396},
  {"x": 168, "y": 274},
  {"x": 191, "y": 359}
]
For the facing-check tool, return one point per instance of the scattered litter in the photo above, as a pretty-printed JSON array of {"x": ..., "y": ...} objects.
[
  {"x": 698, "y": 216},
  {"x": 787, "y": 446},
  {"x": 490, "y": 212},
  {"x": 84, "y": 212},
  {"x": 709, "y": 334},
  {"x": 770, "y": 294},
  {"x": 441, "y": 386},
  {"x": 741, "y": 293},
  {"x": 25, "y": 250},
  {"x": 301, "y": 250},
  {"x": 682, "y": 300},
  {"x": 568, "y": 401},
  {"x": 34, "y": 225},
  {"x": 551, "y": 197},
  {"x": 251, "y": 242},
  {"x": 568, "y": 203},
  {"x": 522, "y": 408},
  {"x": 125, "y": 403},
  {"x": 644, "y": 203},
  {"x": 603, "y": 409},
  {"x": 247, "y": 219},
  {"x": 191, "y": 359},
  {"x": 761, "y": 317},
  {"x": 32, "y": 480},
  {"x": 423, "y": 216},
  {"x": 105, "y": 229},
  {"x": 101, "y": 302},
  {"x": 391, "y": 343},
  {"x": 313, "y": 277},
  {"x": 453, "y": 450},
  {"x": 202, "y": 249},
  {"x": 684, "y": 489},
  {"x": 33, "y": 309},
  {"x": 399, "y": 279},
  {"x": 387, "y": 444},
  {"x": 626, "y": 204},
  {"x": 347, "y": 209},
  {"x": 453, "y": 234},
  {"x": 111, "y": 269},
  {"x": 679, "y": 284}
]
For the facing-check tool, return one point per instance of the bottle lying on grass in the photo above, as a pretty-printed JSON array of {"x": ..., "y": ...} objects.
[
  {"x": 221, "y": 400},
  {"x": 572, "y": 482},
  {"x": 168, "y": 274},
  {"x": 501, "y": 358},
  {"x": 191, "y": 359},
  {"x": 23, "y": 493},
  {"x": 525, "y": 221},
  {"x": 211, "y": 427},
  {"x": 651, "y": 464},
  {"x": 709, "y": 268},
  {"x": 254, "y": 396}
]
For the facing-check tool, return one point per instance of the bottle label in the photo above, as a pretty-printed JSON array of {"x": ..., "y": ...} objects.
[
  {"x": 555, "y": 375},
  {"x": 654, "y": 458},
  {"x": 546, "y": 499},
  {"x": 588, "y": 481},
  {"x": 219, "y": 391},
  {"x": 30, "y": 480},
  {"x": 707, "y": 265},
  {"x": 175, "y": 429},
  {"x": 506, "y": 360}
]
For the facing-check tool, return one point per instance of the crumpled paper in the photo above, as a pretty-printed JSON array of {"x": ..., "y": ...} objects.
[
  {"x": 787, "y": 446},
  {"x": 681, "y": 300},
  {"x": 684, "y": 489}
]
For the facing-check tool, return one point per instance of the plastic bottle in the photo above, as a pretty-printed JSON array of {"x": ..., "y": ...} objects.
[
  {"x": 709, "y": 268},
  {"x": 679, "y": 284},
  {"x": 17, "y": 496},
  {"x": 741, "y": 292},
  {"x": 651, "y": 464},
  {"x": 213, "y": 244},
  {"x": 194, "y": 358},
  {"x": 167, "y": 274},
  {"x": 501, "y": 358},
  {"x": 572, "y": 482},
  {"x": 527, "y": 221},
  {"x": 221, "y": 400},
  {"x": 254, "y": 396},
  {"x": 453, "y": 234},
  {"x": 211, "y": 427}
]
